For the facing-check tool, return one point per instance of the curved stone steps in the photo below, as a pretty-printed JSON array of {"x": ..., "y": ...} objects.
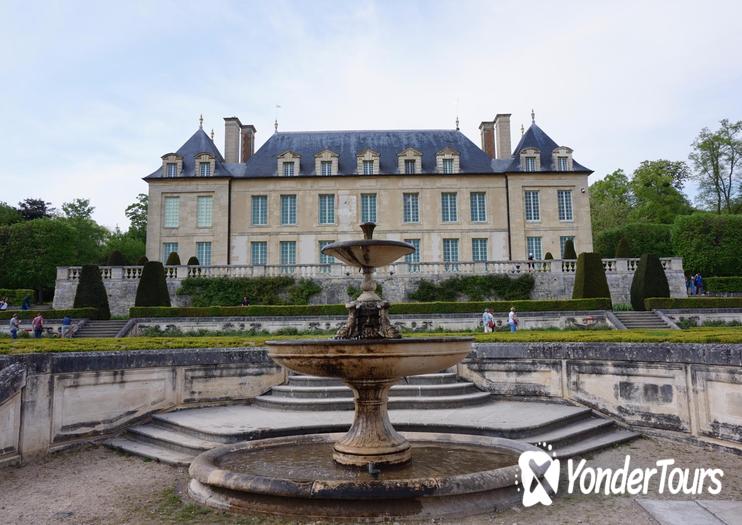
[
  {"x": 420, "y": 379},
  {"x": 399, "y": 390},
  {"x": 401, "y": 402}
]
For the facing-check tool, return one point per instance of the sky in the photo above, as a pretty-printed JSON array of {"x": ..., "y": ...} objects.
[{"x": 94, "y": 93}]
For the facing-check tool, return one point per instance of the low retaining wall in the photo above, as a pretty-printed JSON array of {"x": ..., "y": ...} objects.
[
  {"x": 691, "y": 389},
  {"x": 699, "y": 316}
]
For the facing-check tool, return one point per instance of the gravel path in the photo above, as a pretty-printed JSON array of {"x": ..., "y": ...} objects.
[{"x": 97, "y": 486}]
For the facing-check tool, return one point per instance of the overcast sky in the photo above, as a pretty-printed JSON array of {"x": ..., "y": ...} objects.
[{"x": 93, "y": 93}]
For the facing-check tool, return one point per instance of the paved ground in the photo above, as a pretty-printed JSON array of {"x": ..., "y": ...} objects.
[{"x": 98, "y": 486}]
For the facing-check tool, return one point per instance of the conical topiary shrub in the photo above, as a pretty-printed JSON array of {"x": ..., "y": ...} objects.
[
  {"x": 569, "y": 250},
  {"x": 193, "y": 261},
  {"x": 548, "y": 256},
  {"x": 142, "y": 260},
  {"x": 91, "y": 293},
  {"x": 590, "y": 280},
  {"x": 152, "y": 289},
  {"x": 116, "y": 258},
  {"x": 173, "y": 259},
  {"x": 649, "y": 281},
  {"x": 622, "y": 249}
]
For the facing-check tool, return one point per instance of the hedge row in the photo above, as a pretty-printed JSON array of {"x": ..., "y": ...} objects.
[
  {"x": 719, "y": 284},
  {"x": 669, "y": 303},
  {"x": 400, "y": 308},
  {"x": 16, "y": 295},
  {"x": 78, "y": 313}
]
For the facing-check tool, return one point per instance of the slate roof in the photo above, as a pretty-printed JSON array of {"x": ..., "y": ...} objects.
[
  {"x": 535, "y": 137},
  {"x": 199, "y": 142}
]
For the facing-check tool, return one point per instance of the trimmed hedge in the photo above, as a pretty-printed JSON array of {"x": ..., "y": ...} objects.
[
  {"x": 228, "y": 291},
  {"x": 400, "y": 308},
  {"x": 77, "y": 313},
  {"x": 173, "y": 259},
  {"x": 116, "y": 258},
  {"x": 711, "y": 284},
  {"x": 649, "y": 281},
  {"x": 193, "y": 261},
  {"x": 670, "y": 303},
  {"x": 623, "y": 251},
  {"x": 709, "y": 243},
  {"x": 569, "y": 250},
  {"x": 152, "y": 289},
  {"x": 590, "y": 280},
  {"x": 15, "y": 295},
  {"x": 474, "y": 288},
  {"x": 142, "y": 260},
  {"x": 91, "y": 293},
  {"x": 641, "y": 238}
]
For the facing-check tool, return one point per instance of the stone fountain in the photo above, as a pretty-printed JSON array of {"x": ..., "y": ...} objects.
[{"x": 374, "y": 471}]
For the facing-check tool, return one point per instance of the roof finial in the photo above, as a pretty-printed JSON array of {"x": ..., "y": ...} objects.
[
  {"x": 522, "y": 129},
  {"x": 533, "y": 117},
  {"x": 212, "y": 134},
  {"x": 457, "y": 123},
  {"x": 201, "y": 121},
  {"x": 275, "y": 126}
]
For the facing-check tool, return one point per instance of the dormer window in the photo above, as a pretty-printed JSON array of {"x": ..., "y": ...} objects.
[
  {"x": 530, "y": 159},
  {"x": 326, "y": 167},
  {"x": 367, "y": 162},
  {"x": 172, "y": 165},
  {"x": 205, "y": 165},
  {"x": 530, "y": 163},
  {"x": 562, "y": 158},
  {"x": 409, "y": 166},
  {"x": 204, "y": 169},
  {"x": 410, "y": 161},
  {"x": 326, "y": 163},
  {"x": 172, "y": 169},
  {"x": 368, "y": 167},
  {"x": 447, "y": 161},
  {"x": 288, "y": 168},
  {"x": 288, "y": 164}
]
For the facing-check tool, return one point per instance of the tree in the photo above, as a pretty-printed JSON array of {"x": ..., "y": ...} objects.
[
  {"x": 657, "y": 186},
  {"x": 78, "y": 209},
  {"x": 130, "y": 246},
  {"x": 611, "y": 201},
  {"x": 91, "y": 293},
  {"x": 8, "y": 214},
  {"x": 90, "y": 236},
  {"x": 649, "y": 281},
  {"x": 715, "y": 157},
  {"x": 137, "y": 215},
  {"x": 590, "y": 280},
  {"x": 709, "y": 243},
  {"x": 152, "y": 289},
  {"x": 31, "y": 209},
  {"x": 641, "y": 238}
]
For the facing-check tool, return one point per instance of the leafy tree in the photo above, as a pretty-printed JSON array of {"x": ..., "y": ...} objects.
[
  {"x": 31, "y": 209},
  {"x": 611, "y": 200},
  {"x": 657, "y": 186},
  {"x": 78, "y": 209},
  {"x": 91, "y": 293},
  {"x": 8, "y": 214},
  {"x": 130, "y": 246},
  {"x": 590, "y": 279},
  {"x": 569, "y": 250},
  {"x": 649, "y": 281},
  {"x": 641, "y": 238},
  {"x": 709, "y": 243},
  {"x": 715, "y": 157},
  {"x": 137, "y": 215},
  {"x": 89, "y": 239},
  {"x": 152, "y": 289}
]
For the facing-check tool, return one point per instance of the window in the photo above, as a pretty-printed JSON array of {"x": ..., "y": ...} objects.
[
  {"x": 534, "y": 247},
  {"x": 327, "y": 209},
  {"x": 259, "y": 253},
  {"x": 172, "y": 212},
  {"x": 325, "y": 259},
  {"x": 562, "y": 163},
  {"x": 172, "y": 169},
  {"x": 259, "y": 210},
  {"x": 533, "y": 213},
  {"x": 288, "y": 256},
  {"x": 205, "y": 169},
  {"x": 451, "y": 254},
  {"x": 411, "y": 207},
  {"x": 479, "y": 249},
  {"x": 326, "y": 167},
  {"x": 413, "y": 259},
  {"x": 204, "y": 212},
  {"x": 288, "y": 169},
  {"x": 448, "y": 207},
  {"x": 562, "y": 241},
  {"x": 478, "y": 209},
  {"x": 288, "y": 209},
  {"x": 530, "y": 163},
  {"x": 409, "y": 166},
  {"x": 203, "y": 253},
  {"x": 447, "y": 165},
  {"x": 368, "y": 167},
  {"x": 565, "y": 205},
  {"x": 368, "y": 207},
  {"x": 167, "y": 249}
]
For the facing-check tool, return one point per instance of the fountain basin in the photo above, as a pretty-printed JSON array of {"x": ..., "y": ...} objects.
[{"x": 450, "y": 475}]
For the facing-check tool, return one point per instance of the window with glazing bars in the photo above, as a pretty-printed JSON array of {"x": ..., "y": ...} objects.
[
  {"x": 409, "y": 166},
  {"x": 451, "y": 254},
  {"x": 172, "y": 212},
  {"x": 534, "y": 247},
  {"x": 413, "y": 259},
  {"x": 411, "y": 207},
  {"x": 288, "y": 169},
  {"x": 204, "y": 211},
  {"x": 479, "y": 249},
  {"x": 533, "y": 212},
  {"x": 368, "y": 167},
  {"x": 288, "y": 209},
  {"x": 530, "y": 163},
  {"x": 203, "y": 253},
  {"x": 205, "y": 168},
  {"x": 259, "y": 210},
  {"x": 562, "y": 163},
  {"x": 259, "y": 253},
  {"x": 478, "y": 209},
  {"x": 368, "y": 207},
  {"x": 565, "y": 205},
  {"x": 327, "y": 209},
  {"x": 447, "y": 165},
  {"x": 167, "y": 249},
  {"x": 448, "y": 207},
  {"x": 325, "y": 259},
  {"x": 172, "y": 169},
  {"x": 326, "y": 167},
  {"x": 562, "y": 241},
  {"x": 288, "y": 255}
]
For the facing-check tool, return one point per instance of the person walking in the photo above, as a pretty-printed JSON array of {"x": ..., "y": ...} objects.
[
  {"x": 690, "y": 284},
  {"x": 699, "y": 284},
  {"x": 38, "y": 325},
  {"x": 14, "y": 326},
  {"x": 513, "y": 319},
  {"x": 488, "y": 321},
  {"x": 66, "y": 326}
]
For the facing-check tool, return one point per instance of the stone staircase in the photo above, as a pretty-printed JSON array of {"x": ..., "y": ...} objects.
[
  {"x": 426, "y": 391},
  {"x": 94, "y": 328},
  {"x": 641, "y": 320}
]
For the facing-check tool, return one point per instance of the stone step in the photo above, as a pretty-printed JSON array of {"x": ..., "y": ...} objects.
[
  {"x": 421, "y": 379},
  {"x": 148, "y": 450},
  {"x": 402, "y": 402},
  {"x": 398, "y": 390},
  {"x": 171, "y": 438},
  {"x": 572, "y": 431},
  {"x": 600, "y": 441},
  {"x": 96, "y": 328}
]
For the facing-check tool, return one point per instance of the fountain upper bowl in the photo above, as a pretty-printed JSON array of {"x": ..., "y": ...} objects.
[{"x": 368, "y": 252}]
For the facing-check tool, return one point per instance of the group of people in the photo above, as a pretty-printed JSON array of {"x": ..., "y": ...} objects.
[
  {"x": 694, "y": 284},
  {"x": 488, "y": 320},
  {"x": 37, "y": 325},
  {"x": 4, "y": 303}
]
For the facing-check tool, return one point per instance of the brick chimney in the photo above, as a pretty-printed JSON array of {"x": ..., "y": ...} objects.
[
  {"x": 487, "y": 130},
  {"x": 248, "y": 141},
  {"x": 232, "y": 126},
  {"x": 502, "y": 126}
]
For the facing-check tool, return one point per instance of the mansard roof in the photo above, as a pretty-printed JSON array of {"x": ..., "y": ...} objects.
[
  {"x": 536, "y": 138},
  {"x": 198, "y": 143}
]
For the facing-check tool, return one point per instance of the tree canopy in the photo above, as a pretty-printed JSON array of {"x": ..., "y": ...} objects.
[
  {"x": 137, "y": 215},
  {"x": 716, "y": 156}
]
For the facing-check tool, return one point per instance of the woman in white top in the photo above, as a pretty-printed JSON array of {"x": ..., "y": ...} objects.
[
  {"x": 513, "y": 320},
  {"x": 488, "y": 321}
]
